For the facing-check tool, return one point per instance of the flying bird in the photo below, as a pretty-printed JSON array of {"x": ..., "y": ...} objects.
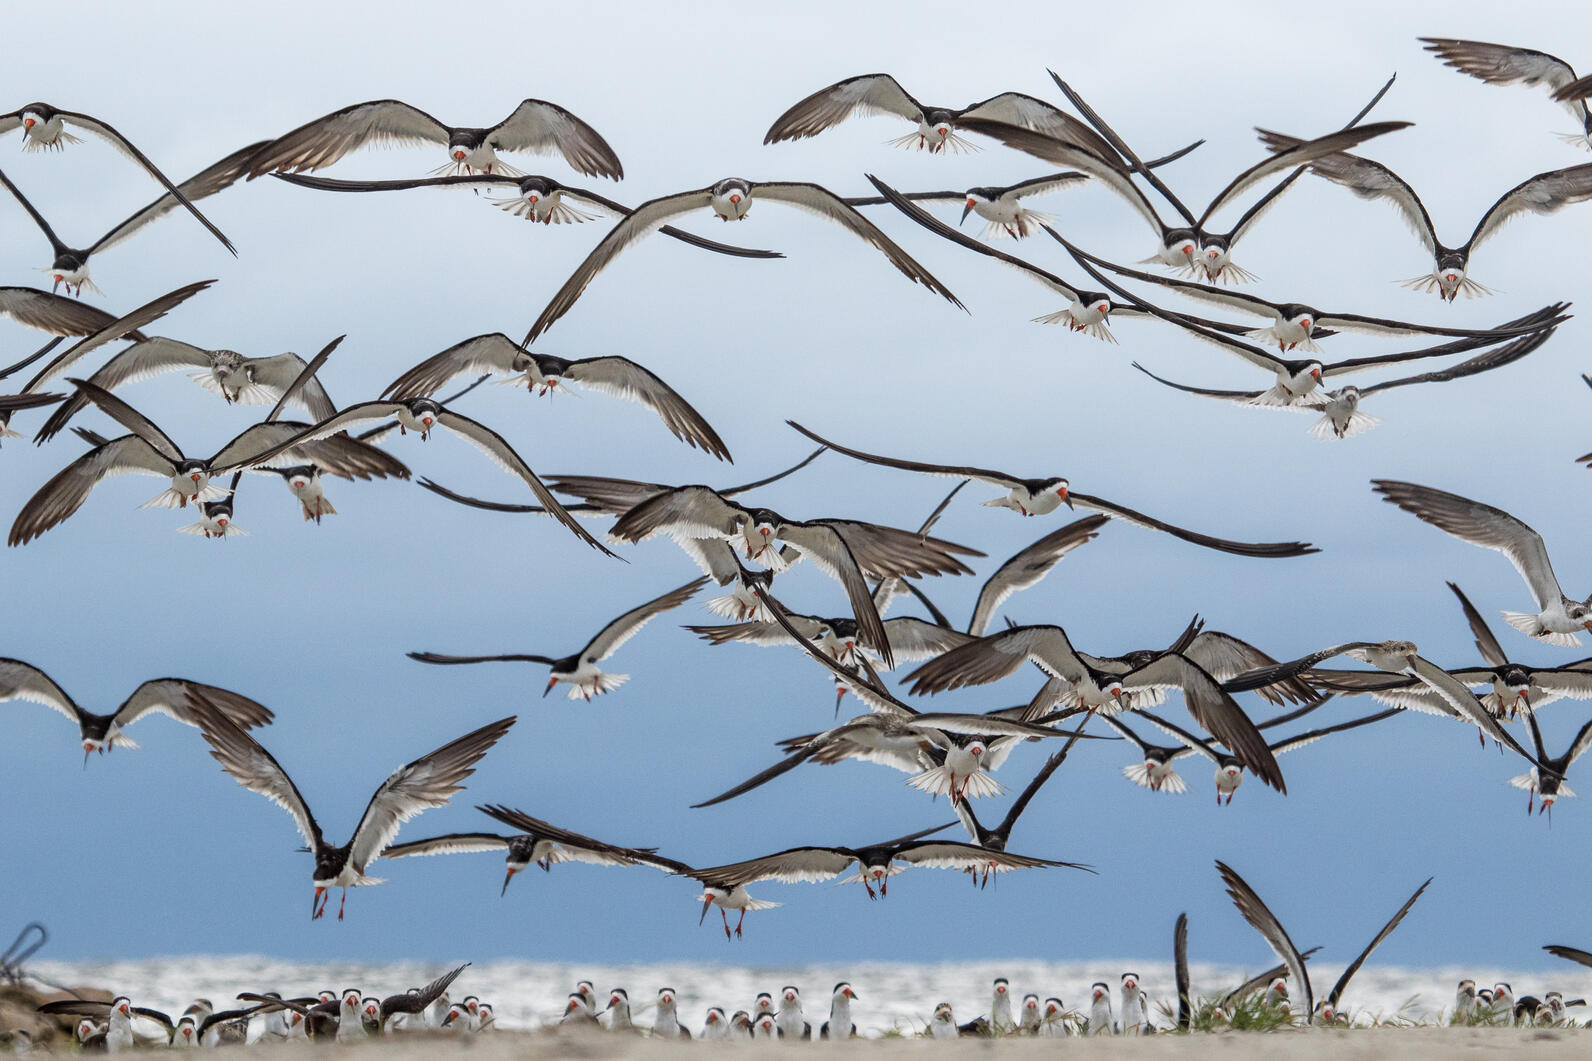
[
  {"x": 110, "y": 330},
  {"x": 1001, "y": 208},
  {"x": 579, "y": 670},
  {"x": 1558, "y": 618},
  {"x": 44, "y": 128},
  {"x": 546, "y": 373},
  {"x": 429, "y": 781},
  {"x": 1504, "y": 64},
  {"x": 150, "y": 451},
  {"x": 537, "y": 198},
  {"x": 159, "y": 696},
  {"x": 1042, "y": 496},
  {"x": 730, "y": 200},
  {"x": 535, "y": 126},
  {"x": 1449, "y": 278},
  {"x": 69, "y": 266}
]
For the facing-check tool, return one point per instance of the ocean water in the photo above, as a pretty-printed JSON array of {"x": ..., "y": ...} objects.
[{"x": 891, "y": 995}]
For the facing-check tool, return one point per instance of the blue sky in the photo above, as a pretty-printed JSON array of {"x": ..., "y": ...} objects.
[{"x": 155, "y": 851}]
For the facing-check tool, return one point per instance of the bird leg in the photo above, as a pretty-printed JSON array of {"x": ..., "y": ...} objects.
[
  {"x": 726, "y": 919},
  {"x": 341, "y": 903},
  {"x": 738, "y": 924}
]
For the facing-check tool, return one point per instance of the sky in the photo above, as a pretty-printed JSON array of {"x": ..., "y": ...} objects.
[{"x": 154, "y": 851}]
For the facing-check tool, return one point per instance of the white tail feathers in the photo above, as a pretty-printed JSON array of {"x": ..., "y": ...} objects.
[
  {"x": 600, "y": 683},
  {"x": 1329, "y": 428},
  {"x": 558, "y": 214},
  {"x": 940, "y": 781},
  {"x": 740, "y": 606},
  {"x": 1530, "y": 624},
  {"x": 172, "y": 498},
  {"x": 1139, "y": 774},
  {"x": 210, "y": 530},
  {"x": 1269, "y": 335},
  {"x": 322, "y": 507}
]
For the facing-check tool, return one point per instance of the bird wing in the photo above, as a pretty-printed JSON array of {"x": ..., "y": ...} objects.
[
  {"x": 1316, "y": 734},
  {"x": 1387, "y": 930},
  {"x": 545, "y": 128},
  {"x": 56, "y": 314},
  {"x": 622, "y": 629},
  {"x": 792, "y": 866},
  {"x": 995, "y": 656},
  {"x": 1185, "y": 1007},
  {"x": 1491, "y": 651},
  {"x": 139, "y": 361},
  {"x": 623, "y": 378},
  {"x": 913, "y": 639},
  {"x": 1368, "y": 180},
  {"x": 206, "y": 182},
  {"x": 983, "y": 475},
  {"x": 1504, "y": 64},
  {"x": 1298, "y": 154},
  {"x": 174, "y": 698},
  {"x": 890, "y": 552},
  {"x": 939, "y": 228},
  {"x": 1028, "y": 112},
  {"x": 1483, "y": 525},
  {"x": 820, "y": 201},
  {"x": 326, "y": 139},
  {"x": 1212, "y": 708},
  {"x": 105, "y": 131},
  {"x": 953, "y": 854},
  {"x": 1497, "y": 357},
  {"x": 1542, "y": 194},
  {"x": 577, "y": 847},
  {"x": 1262, "y": 920},
  {"x": 451, "y": 844},
  {"x": 1224, "y": 657},
  {"x": 1240, "y": 397},
  {"x": 284, "y": 443},
  {"x": 1261, "y": 549},
  {"x": 24, "y": 681},
  {"x": 130, "y": 418},
  {"x": 1060, "y": 153},
  {"x": 112, "y": 330},
  {"x": 1572, "y": 954},
  {"x": 682, "y": 512},
  {"x": 253, "y": 767},
  {"x": 644, "y": 220},
  {"x": 830, "y": 551},
  {"x": 66, "y": 491},
  {"x": 865, "y": 94},
  {"x": 280, "y": 371},
  {"x": 497, "y": 448},
  {"x": 1459, "y": 696},
  {"x": 1028, "y": 566},
  {"x": 764, "y": 635},
  {"x": 416, "y": 1001},
  {"x": 429, "y": 781},
  {"x": 1578, "y": 747}
]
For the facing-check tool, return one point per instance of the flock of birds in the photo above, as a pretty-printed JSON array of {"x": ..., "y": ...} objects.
[{"x": 742, "y": 548}]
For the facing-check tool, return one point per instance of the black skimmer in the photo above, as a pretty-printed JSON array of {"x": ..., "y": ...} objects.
[
  {"x": 840, "y": 1025},
  {"x": 788, "y": 1018},
  {"x": 539, "y": 199},
  {"x": 1504, "y": 64},
  {"x": 873, "y": 865},
  {"x": 1000, "y": 1012},
  {"x": 948, "y": 753},
  {"x": 535, "y": 126},
  {"x": 716, "y": 1026},
  {"x": 1229, "y": 768},
  {"x": 1135, "y": 1018},
  {"x": 304, "y": 480},
  {"x": 577, "y": 1013},
  {"x": 69, "y": 266},
  {"x": 1093, "y": 687},
  {"x": 1086, "y": 311},
  {"x": 237, "y": 378},
  {"x": 730, "y": 199},
  {"x": 1297, "y": 325},
  {"x": 118, "y": 1014},
  {"x": 1040, "y": 497},
  {"x": 1541, "y": 194},
  {"x": 996, "y": 839},
  {"x": 126, "y": 326},
  {"x": 849, "y": 551},
  {"x": 1545, "y": 780},
  {"x": 740, "y": 1027},
  {"x": 1213, "y": 255},
  {"x": 1298, "y": 379},
  {"x": 1265, "y": 922},
  {"x": 943, "y": 1024},
  {"x": 1030, "y": 1016},
  {"x": 1000, "y": 208},
  {"x": 56, "y": 314},
  {"x": 429, "y": 781},
  {"x": 1341, "y": 415},
  {"x": 545, "y": 373},
  {"x": 422, "y": 416},
  {"x": 1101, "y": 1019},
  {"x": 102, "y": 733},
  {"x": 579, "y": 670},
  {"x": 1215, "y": 250},
  {"x": 14, "y": 403},
  {"x": 666, "y": 1019},
  {"x": 936, "y": 130},
  {"x": 44, "y": 128},
  {"x": 150, "y": 451},
  {"x": 215, "y": 521},
  {"x": 1558, "y": 618}
]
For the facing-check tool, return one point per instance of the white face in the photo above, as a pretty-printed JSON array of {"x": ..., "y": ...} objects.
[
  {"x": 790, "y": 995},
  {"x": 1448, "y": 283}
]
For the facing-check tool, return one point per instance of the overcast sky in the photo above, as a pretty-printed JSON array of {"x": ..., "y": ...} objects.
[{"x": 154, "y": 851}]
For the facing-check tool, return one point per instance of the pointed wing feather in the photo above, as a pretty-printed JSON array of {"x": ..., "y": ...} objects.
[
  {"x": 326, "y": 139},
  {"x": 1028, "y": 566},
  {"x": 622, "y": 629},
  {"x": 623, "y": 378},
  {"x": 24, "y": 681},
  {"x": 1262, "y": 920},
  {"x": 1387, "y": 930},
  {"x": 542, "y": 127}
]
